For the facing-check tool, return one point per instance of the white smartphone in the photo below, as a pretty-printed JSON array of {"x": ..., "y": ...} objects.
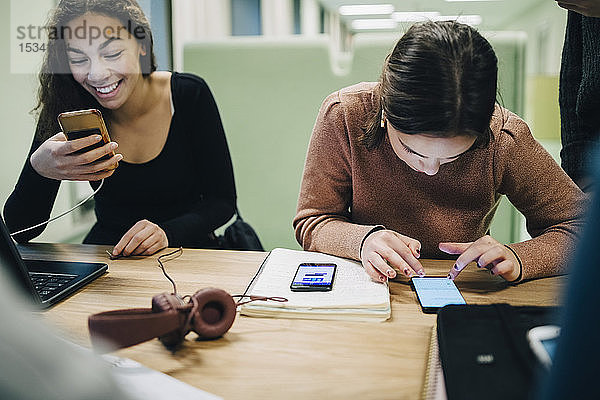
[
  {"x": 543, "y": 340},
  {"x": 436, "y": 292}
]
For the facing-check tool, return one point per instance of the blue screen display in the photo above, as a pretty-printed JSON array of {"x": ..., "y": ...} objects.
[
  {"x": 437, "y": 292},
  {"x": 314, "y": 275}
]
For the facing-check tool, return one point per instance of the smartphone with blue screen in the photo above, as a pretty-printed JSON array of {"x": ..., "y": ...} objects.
[
  {"x": 313, "y": 277},
  {"x": 436, "y": 292}
]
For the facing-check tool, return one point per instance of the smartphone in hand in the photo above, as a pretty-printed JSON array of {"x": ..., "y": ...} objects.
[
  {"x": 313, "y": 277},
  {"x": 83, "y": 123},
  {"x": 436, "y": 292}
]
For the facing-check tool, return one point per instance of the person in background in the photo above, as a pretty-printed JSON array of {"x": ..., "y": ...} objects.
[
  {"x": 573, "y": 374},
  {"x": 170, "y": 182},
  {"x": 415, "y": 165},
  {"x": 579, "y": 94}
]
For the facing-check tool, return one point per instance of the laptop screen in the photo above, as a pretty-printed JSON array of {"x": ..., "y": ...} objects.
[{"x": 11, "y": 263}]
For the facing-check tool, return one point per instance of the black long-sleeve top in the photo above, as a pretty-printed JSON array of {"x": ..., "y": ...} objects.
[
  {"x": 188, "y": 189},
  {"x": 579, "y": 94}
]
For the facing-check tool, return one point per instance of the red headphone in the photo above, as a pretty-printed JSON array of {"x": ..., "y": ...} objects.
[{"x": 209, "y": 312}]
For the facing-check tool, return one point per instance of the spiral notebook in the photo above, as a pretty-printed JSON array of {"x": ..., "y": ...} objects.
[
  {"x": 434, "y": 387},
  {"x": 354, "y": 296}
]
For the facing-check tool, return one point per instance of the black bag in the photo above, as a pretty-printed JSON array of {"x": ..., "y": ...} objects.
[
  {"x": 239, "y": 236},
  {"x": 484, "y": 350}
]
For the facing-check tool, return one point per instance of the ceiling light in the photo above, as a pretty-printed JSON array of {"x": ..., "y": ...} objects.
[
  {"x": 368, "y": 24},
  {"x": 366, "y": 9}
]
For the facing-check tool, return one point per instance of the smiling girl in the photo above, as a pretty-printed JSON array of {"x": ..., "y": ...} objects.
[
  {"x": 415, "y": 166},
  {"x": 173, "y": 184}
]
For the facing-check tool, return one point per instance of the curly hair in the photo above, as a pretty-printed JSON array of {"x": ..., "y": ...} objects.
[{"x": 58, "y": 91}]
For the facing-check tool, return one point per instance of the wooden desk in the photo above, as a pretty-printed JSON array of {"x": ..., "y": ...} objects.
[{"x": 277, "y": 358}]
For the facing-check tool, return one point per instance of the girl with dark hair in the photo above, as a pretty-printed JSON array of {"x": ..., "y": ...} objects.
[
  {"x": 173, "y": 182},
  {"x": 415, "y": 166}
]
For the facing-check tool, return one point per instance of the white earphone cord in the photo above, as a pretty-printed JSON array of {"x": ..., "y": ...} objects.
[{"x": 61, "y": 214}]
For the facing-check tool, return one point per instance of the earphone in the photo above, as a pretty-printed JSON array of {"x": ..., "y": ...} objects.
[
  {"x": 61, "y": 214},
  {"x": 209, "y": 313}
]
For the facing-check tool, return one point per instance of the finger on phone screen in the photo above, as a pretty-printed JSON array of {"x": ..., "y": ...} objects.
[{"x": 472, "y": 253}]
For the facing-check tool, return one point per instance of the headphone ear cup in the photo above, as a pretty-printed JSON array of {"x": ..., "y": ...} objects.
[
  {"x": 215, "y": 314},
  {"x": 166, "y": 302}
]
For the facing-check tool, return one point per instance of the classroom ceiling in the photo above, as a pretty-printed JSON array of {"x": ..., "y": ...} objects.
[{"x": 495, "y": 14}]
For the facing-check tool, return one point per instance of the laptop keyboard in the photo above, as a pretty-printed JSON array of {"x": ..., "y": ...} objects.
[{"x": 47, "y": 285}]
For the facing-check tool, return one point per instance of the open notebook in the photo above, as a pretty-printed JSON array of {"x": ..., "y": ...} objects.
[{"x": 354, "y": 295}]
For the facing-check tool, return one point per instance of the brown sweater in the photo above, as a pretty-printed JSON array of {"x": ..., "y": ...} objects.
[{"x": 347, "y": 190}]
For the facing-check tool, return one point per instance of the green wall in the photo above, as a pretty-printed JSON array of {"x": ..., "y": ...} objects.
[{"x": 542, "y": 106}]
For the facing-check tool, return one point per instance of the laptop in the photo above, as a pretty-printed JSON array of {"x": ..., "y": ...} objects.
[{"x": 46, "y": 281}]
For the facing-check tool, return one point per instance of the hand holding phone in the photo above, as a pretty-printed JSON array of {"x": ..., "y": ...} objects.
[
  {"x": 82, "y": 152},
  {"x": 313, "y": 277},
  {"x": 434, "y": 293}
]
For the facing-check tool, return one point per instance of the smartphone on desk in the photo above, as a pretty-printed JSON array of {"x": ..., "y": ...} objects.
[
  {"x": 313, "y": 277},
  {"x": 83, "y": 123},
  {"x": 435, "y": 292}
]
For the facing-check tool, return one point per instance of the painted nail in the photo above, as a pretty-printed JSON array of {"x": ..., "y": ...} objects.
[
  {"x": 450, "y": 277},
  {"x": 406, "y": 272},
  {"x": 456, "y": 267},
  {"x": 421, "y": 272},
  {"x": 390, "y": 273},
  {"x": 114, "y": 145},
  {"x": 98, "y": 138},
  {"x": 382, "y": 278}
]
